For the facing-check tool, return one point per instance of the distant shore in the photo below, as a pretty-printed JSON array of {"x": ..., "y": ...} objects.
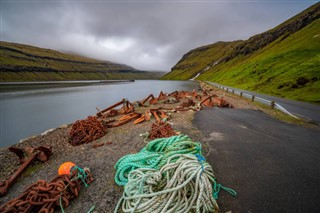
[
  {"x": 30, "y": 85},
  {"x": 64, "y": 82}
]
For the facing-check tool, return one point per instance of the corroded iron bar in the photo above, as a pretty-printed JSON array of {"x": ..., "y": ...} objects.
[
  {"x": 162, "y": 96},
  {"x": 119, "y": 123},
  {"x": 111, "y": 107},
  {"x": 147, "y": 98},
  {"x": 5, "y": 185},
  {"x": 204, "y": 100},
  {"x": 156, "y": 116},
  {"x": 26, "y": 156}
]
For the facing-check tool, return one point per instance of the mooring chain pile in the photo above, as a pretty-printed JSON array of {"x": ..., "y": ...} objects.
[
  {"x": 45, "y": 197},
  {"x": 161, "y": 130},
  {"x": 87, "y": 130},
  {"x": 188, "y": 103},
  {"x": 168, "y": 175},
  {"x": 154, "y": 155}
]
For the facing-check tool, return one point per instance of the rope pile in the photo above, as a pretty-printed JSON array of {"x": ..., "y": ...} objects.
[
  {"x": 86, "y": 131},
  {"x": 45, "y": 197},
  {"x": 168, "y": 175},
  {"x": 161, "y": 130},
  {"x": 154, "y": 155}
]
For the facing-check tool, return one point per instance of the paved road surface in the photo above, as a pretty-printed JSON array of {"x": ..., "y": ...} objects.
[
  {"x": 306, "y": 110},
  {"x": 274, "y": 166}
]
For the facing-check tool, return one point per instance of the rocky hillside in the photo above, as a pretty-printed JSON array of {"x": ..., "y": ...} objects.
[
  {"x": 284, "y": 61},
  {"x": 20, "y": 62}
]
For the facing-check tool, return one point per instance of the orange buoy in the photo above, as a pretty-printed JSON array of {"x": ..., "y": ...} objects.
[{"x": 65, "y": 168}]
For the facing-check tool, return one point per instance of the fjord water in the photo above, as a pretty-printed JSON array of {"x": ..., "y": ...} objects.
[{"x": 30, "y": 112}]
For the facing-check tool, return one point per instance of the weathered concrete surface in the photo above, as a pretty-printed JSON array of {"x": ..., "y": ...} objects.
[{"x": 274, "y": 166}]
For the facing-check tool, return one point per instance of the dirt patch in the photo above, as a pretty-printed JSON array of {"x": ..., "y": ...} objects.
[{"x": 100, "y": 156}]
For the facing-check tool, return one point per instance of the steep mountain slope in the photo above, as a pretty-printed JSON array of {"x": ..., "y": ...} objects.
[
  {"x": 20, "y": 62},
  {"x": 200, "y": 59},
  {"x": 284, "y": 61}
]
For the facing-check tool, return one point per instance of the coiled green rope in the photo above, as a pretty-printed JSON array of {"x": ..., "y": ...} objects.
[
  {"x": 182, "y": 185},
  {"x": 154, "y": 155},
  {"x": 168, "y": 175}
]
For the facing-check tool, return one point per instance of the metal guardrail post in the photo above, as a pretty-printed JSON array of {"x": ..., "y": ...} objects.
[
  {"x": 272, "y": 104},
  {"x": 240, "y": 94},
  {"x": 252, "y": 98}
]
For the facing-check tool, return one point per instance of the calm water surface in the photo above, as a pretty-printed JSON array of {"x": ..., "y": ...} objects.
[{"x": 30, "y": 112}]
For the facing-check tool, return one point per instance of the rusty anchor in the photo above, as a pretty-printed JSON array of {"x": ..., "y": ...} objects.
[
  {"x": 162, "y": 96},
  {"x": 26, "y": 157},
  {"x": 159, "y": 115},
  {"x": 215, "y": 101},
  {"x": 126, "y": 108},
  {"x": 150, "y": 98},
  {"x": 183, "y": 94},
  {"x": 125, "y": 119},
  {"x": 143, "y": 117}
]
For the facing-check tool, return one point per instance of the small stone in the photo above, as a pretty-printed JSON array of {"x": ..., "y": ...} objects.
[
  {"x": 63, "y": 126},
  {"x": 46, "y": 132}
]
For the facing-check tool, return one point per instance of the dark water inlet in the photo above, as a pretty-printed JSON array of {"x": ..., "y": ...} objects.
[{"x": 30, "y": 112}]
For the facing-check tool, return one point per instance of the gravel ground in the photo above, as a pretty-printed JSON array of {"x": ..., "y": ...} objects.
[{"x": 119, "y": 141}]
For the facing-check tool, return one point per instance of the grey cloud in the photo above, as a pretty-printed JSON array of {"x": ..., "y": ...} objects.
[{"x": 147, "y": 35}]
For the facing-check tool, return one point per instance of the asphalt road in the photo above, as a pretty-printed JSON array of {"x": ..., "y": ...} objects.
[
  {"x": 306, "y": 110},
  {"x": 273, "y": 166}
]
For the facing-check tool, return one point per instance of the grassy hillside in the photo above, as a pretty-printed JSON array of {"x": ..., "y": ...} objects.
[
  {"x": 284, "y": 61},
  {"x": 288, "y": 68},
  {"x": 199, "y": 59},
  {"x": 20, "y": 62}
]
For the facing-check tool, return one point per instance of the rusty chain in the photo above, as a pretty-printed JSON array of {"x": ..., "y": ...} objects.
[
  {"x": 87, "y": 130},
  {"x": 44, "y": 197},
  {"x": 188, "y": 103},
  {"x": 161, "y": 130}
]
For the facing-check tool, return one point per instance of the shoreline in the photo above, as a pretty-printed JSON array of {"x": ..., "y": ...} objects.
[
  {"x": 119, "y": 141},
  {"x": 63, "y": 82}
]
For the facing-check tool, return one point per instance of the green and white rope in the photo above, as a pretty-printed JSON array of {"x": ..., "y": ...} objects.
[
  {"x": 154, "y": 155},
  {"x": 168, "y": 175},
  {"x": 183, "y": 184}
]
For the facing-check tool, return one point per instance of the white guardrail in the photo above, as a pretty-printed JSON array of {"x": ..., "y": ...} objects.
[{"x": 271, "y": 103}]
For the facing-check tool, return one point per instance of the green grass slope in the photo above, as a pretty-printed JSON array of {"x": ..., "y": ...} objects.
[
  {"x": 288, "y": 67},
  {"x": 20, "y": 62},
  {"x": 284, "y": 61},
  {"x": 199, "y": 59}
]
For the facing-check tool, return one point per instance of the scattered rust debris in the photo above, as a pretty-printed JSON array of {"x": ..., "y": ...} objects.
[
  {"x": 96, "y": 145},
  {"x": 26, "y": 157},
  {"x": 95, "y": 127},
  {"x": 44, "y": 197}
]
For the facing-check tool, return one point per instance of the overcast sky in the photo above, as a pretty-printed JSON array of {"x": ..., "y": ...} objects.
[{"x": 148, "y": 35}]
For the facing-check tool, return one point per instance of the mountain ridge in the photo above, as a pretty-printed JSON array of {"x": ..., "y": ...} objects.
[
  {"x": 21, "y": 62},
  {"x": 283, "y": 61}
]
